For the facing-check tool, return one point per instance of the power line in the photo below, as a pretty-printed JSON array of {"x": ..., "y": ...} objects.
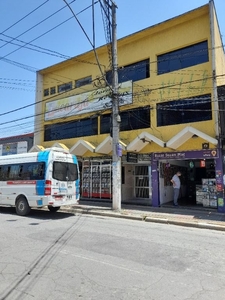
[{"x": 23, "y": 18}]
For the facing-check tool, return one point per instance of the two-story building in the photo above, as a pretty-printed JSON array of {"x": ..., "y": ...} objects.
[{"x": 171, "y": 95}]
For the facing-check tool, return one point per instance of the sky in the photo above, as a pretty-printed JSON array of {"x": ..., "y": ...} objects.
[{"x": 40, "y": 33}]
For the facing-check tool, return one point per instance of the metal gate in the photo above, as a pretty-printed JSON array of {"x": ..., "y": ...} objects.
[{"x": 143, "y": 188}]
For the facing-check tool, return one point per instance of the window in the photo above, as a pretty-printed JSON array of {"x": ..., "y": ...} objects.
[
  {"x": 46, "y": 92},
  {"x": 67, "y": 130},
  {"x": 83, "y": 81},
  {"x": 134, "y": 72},
  {"x": 23, "y": 171},
  {"x": 65, "y": 87},
  {"x": 137, "y": 118},
  {"x": 64, "y": 171},
  {"x": 52, "y": 90},
  {"x": 183, "y": 58},
  {"x": 195, "y": 109}
]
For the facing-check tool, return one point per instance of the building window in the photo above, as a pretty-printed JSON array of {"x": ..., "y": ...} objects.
[
  {"x": 134, "y": 72},
  {"x": 136, "y": 118},
  {"x": 46, "y": 92},
  {"x": 195, "y": 109},
  {"x": 183, "y": 58},
  {"x": 83, "y": 81},
  {"x": 73, "y": 129},
  {"x": 52, "y": 90},
  {"x": 65, "y": 87}
]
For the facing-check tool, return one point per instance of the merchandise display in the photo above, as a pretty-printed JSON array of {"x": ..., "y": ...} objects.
[
  {"x": 96, "y": 179},
  {"x": 206, "y": 193}
]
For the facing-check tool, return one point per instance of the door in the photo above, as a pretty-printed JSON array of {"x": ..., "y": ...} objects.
[{"x": 143, "y": 182}]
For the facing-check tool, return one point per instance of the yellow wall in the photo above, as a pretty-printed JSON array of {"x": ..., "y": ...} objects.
[{"x": 187, "y": 29}]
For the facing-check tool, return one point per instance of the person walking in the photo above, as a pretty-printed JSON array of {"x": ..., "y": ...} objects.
[{"x": 176, "y": 187}]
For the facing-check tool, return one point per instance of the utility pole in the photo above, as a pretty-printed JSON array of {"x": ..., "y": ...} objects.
[{"x": 117, "y": 150}]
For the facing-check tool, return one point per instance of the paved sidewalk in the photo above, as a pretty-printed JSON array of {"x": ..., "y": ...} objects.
[{"x": 182, "y": 216}]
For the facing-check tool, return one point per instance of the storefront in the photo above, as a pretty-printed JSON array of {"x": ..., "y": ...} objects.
[
  {"x": 136, "y": 186},
  {"x": 201, "y": 180},
  {"x": 96, "y": 178}
]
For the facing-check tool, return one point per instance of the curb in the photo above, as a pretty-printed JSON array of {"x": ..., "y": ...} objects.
[
  {"x": 200, "y": 225},
  {"x": 103, "y": 214}
]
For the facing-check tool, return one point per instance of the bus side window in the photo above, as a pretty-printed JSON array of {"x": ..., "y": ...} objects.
[
  {"x": 20, "y": 171},
  {"x": 8, "y": 171},
  {"x": 14, "y": 172},
  {"x": 25, "y": 175},
  {"x": 4, "y": 172},
  {"x": 41, "y": 170}
]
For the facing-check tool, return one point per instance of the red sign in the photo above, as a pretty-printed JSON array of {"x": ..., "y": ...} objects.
[{"x": 202, "y": 163}]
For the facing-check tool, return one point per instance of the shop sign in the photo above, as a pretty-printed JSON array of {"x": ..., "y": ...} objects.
[
  {"x": 92, "y": 101},
  {"x": 202, "y": 163},
  {"x": 186, "y": 155},
  {"x": 13, "y": 148},
  {"x": 144, "y": 157},
  {"x": 132, "y": 157}
]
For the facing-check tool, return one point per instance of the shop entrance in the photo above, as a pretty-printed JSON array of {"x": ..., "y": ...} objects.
[{"x": 198, "y": 183}]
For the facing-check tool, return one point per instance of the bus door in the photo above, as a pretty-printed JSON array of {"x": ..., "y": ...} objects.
[{"x": 64, "y": 175}]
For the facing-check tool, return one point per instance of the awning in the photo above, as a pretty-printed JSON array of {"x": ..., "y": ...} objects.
[
  {"x": 36, "y": 148},
  {"x": 81, "y": 147},
  {"x": 187, "y": 133},
  {"x": 60, "y": 145},
  {"x": 105, "y": 147},
  {"x": 143, "y": 140}
]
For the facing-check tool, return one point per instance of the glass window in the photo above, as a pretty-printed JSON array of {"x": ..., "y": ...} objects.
[
  {"x": 183, "y": 58},
  {"x": 65, "y": 87},
  {"x": 52, "y": 90},
  {"x": 195, "y": 109},
  {"x": 23, "y": 171},
  {"x": 67, "y": 130},
  {"x": 136, "y": 118},
  {"x": 64, "y": 171},
  {"x": 46, "y": 92},
  {"x": 134, "y": 72},
  {"x": 83, "y": 81}
]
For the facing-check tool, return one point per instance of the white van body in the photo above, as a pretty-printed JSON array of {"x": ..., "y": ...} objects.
[{"x": 47, "y": 178}]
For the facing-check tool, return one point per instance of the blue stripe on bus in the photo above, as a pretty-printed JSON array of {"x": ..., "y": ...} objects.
[
  {"x": 42, "y": 157},
  {"x": 77, "y": 182}
]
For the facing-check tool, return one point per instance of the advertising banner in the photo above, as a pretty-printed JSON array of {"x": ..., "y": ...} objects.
[{"x": 92, "y": 101}]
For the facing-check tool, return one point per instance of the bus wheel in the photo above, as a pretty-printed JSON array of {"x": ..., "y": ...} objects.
[
  {"x": 22, "y": 206},
  {"x": 53, "y": 209}
]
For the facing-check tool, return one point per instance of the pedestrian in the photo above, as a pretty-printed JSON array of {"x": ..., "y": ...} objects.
[{"x": 176, "y": 187}]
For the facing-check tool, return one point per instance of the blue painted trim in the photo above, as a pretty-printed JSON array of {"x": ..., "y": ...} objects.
[{"x": 43, "y": 156}]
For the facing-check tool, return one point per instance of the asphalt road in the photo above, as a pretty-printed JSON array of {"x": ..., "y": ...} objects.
[{"x": 62, "y": 256}]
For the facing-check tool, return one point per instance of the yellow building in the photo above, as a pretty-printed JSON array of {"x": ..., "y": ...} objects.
[{"x": 171, "y": 81}]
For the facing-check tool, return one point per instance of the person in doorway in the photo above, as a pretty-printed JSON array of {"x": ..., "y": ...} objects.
[{"x": 176, "y": 187}]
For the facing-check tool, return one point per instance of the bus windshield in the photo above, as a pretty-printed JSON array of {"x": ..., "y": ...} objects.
[{"x": 65, "y": 171}]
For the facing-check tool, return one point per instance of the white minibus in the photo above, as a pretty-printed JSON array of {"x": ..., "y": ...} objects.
[{"x": 47, "y": 178}]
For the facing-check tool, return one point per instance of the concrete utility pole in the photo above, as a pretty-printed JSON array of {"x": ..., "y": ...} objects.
[{"x": 117, "y": 149}]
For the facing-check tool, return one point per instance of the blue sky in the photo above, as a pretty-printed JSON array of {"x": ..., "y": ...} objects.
[{"x": 57, "y": 35}]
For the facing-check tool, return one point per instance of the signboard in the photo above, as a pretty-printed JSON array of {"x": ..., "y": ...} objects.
[
  {"x": 96, "y": 100},
  {"x": 13, "y": 148},
  {"x": 186, "y": 155},
  {"x": 142, "y": 157},
  {"x": 132, "y": 157}
]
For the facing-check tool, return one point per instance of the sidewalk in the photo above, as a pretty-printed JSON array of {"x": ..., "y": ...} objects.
[{"x": 182, "y": 216}]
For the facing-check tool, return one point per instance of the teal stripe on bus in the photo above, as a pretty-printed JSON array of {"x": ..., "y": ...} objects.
[
  {"x": 42, "y": 157},
  {"x": 77, "y": 182}
]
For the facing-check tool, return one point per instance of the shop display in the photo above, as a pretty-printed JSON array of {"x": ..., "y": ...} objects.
[
  {"x": 86, "y": 179},
  {"x": 206, "y": 195},
  {"x": 96, "y": 179}
]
